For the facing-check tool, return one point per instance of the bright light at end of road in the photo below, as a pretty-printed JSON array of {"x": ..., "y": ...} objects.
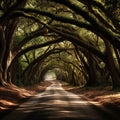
[{"x": 50, "y": 75}]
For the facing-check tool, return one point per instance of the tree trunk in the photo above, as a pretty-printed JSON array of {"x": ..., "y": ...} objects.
[
  {"x": 9, "y": 32},
  {"x": 110, "y": 62},
  {"x": 2, "y": 52},
  {"x": 91, "y": 70},
  {"x": 1, "y": 77},
  {"x": 6, "y": 38},
  {"x": 117, "y": 52}
]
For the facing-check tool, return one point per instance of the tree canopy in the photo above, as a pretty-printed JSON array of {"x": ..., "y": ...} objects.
[{"x": 79, "y": 40}]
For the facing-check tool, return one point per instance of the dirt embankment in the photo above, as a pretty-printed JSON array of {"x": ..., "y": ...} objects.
[
  {"x": 103, "y": 97},
  {"x": 12, "y": 96}
]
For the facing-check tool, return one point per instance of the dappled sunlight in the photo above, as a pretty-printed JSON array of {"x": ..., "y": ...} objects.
[
  {"x": 95, "y": 103},
  {"x": 2, "y": 108},
  {"x": 5, "y": 102},
  {"x": 57, "y": 108},
  {"x": 111, "y": 95}
]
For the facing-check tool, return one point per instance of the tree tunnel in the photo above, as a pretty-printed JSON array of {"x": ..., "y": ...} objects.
[
  {"x": 63, "y": 70},
  {"x": 34, "y": 36}
]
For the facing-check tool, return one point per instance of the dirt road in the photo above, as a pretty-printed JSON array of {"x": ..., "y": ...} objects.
[{"x": 56, "y": 104}]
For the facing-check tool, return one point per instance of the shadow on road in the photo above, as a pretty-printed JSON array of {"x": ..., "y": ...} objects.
[{"x": 57, "y": 104}]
